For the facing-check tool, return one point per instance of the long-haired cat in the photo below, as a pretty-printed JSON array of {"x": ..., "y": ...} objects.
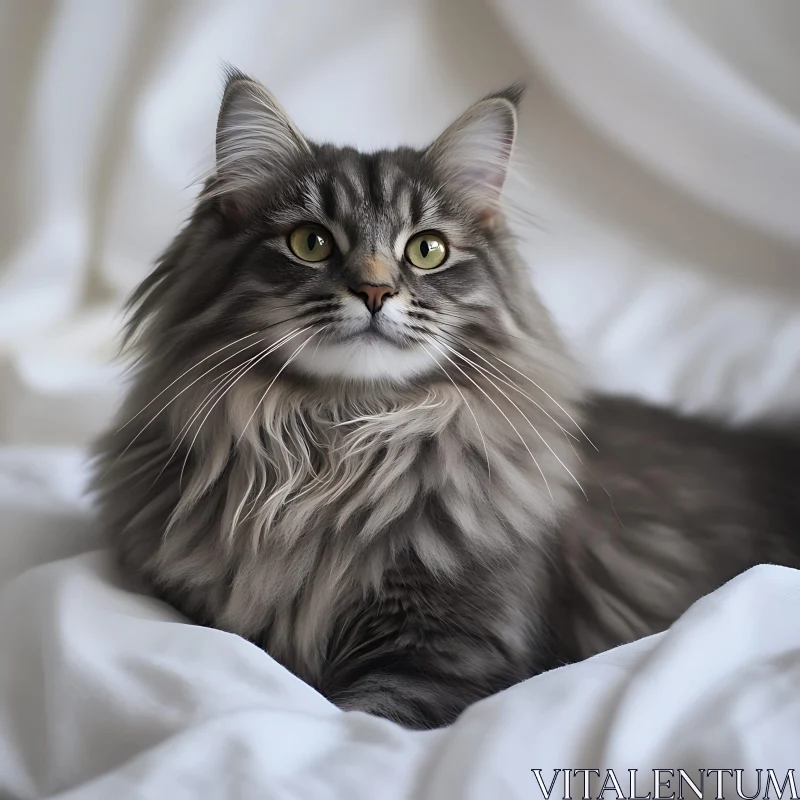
[{"x": 354, "y": 437}]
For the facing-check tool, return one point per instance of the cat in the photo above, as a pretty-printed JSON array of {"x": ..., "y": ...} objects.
[{"x": 354, "y": 436}]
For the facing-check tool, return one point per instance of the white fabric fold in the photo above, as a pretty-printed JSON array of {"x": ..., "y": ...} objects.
[{"x": 654, "y": 87}]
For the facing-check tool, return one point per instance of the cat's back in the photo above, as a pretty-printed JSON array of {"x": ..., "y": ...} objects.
[
  {"x": 676, "y": 506},
  {"x": 652, "y": 455}
]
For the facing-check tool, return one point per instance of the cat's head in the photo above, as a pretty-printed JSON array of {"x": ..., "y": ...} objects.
[{"x": 336, "y": 264}]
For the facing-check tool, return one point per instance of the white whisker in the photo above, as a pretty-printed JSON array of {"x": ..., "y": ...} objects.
[
  {"x": 289, "y": 361},
  {"x": 547, "y": 394},
  {"x": 524, "y": 416},
  {"x": 497, "y": 373},
  {"x": 186, "y": 372},
  {"x": 513, "y": 427},
  {"x": 477, "y": 424},
  {"x": 219, "y": 392},
  {"x": 173, "y": 399},
  {"x": 253, "y": 363}
]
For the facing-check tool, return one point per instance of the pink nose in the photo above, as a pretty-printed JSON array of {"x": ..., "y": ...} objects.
[{"x": 374, "y": 296}]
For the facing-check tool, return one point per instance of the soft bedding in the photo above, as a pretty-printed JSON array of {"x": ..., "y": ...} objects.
[{"x": 105, "y": 693}]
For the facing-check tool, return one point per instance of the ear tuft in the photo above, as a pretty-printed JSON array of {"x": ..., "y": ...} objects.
[
  {"x": 232, "y": 74},
  {"x": 514, "y": 94}
]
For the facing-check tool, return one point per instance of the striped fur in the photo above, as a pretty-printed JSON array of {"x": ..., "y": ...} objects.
[{"x": 392, "y": 505}]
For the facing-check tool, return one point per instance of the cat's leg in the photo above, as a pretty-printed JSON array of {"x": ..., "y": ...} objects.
[
  {"x": 425, "y": 650},
  {"x": 415, "y": 697}
]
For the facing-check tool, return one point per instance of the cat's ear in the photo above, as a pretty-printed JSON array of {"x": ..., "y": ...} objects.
[
  {"x": 473, "y": 154},
  {"x": 256, "y": 140}
]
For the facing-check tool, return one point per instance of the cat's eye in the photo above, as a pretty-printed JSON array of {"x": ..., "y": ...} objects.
[
  {"x": 426, "y": 251},
  {"x": 311, "y": 243}
]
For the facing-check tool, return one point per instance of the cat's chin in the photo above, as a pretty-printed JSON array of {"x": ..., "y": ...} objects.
[{"x": 364, "y": 358}]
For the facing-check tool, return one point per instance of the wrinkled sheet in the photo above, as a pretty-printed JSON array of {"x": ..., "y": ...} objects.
[{"x": 108, "y": 694}]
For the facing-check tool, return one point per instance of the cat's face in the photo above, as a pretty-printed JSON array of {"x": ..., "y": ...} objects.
[
  {"x": 349, "y": 265},
  {"x": 367, "y": 251}
]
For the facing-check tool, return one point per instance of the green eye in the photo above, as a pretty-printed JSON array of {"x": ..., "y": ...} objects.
[
  {"x": 426, "y": 251},
  {"x": 311, "y": 243}
]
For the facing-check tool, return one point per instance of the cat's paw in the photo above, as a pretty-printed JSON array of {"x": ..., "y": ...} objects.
[{"x": 416, "y": 704}]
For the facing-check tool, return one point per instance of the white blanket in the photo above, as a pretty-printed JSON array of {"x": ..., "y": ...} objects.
[{"x": 109, "y": 695}]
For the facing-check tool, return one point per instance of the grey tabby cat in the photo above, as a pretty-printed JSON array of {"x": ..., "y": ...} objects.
[{"x": 354, "y": 437}]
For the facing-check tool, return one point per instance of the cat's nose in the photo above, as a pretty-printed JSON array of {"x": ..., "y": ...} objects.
[{"x": 373, "y": 296}]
